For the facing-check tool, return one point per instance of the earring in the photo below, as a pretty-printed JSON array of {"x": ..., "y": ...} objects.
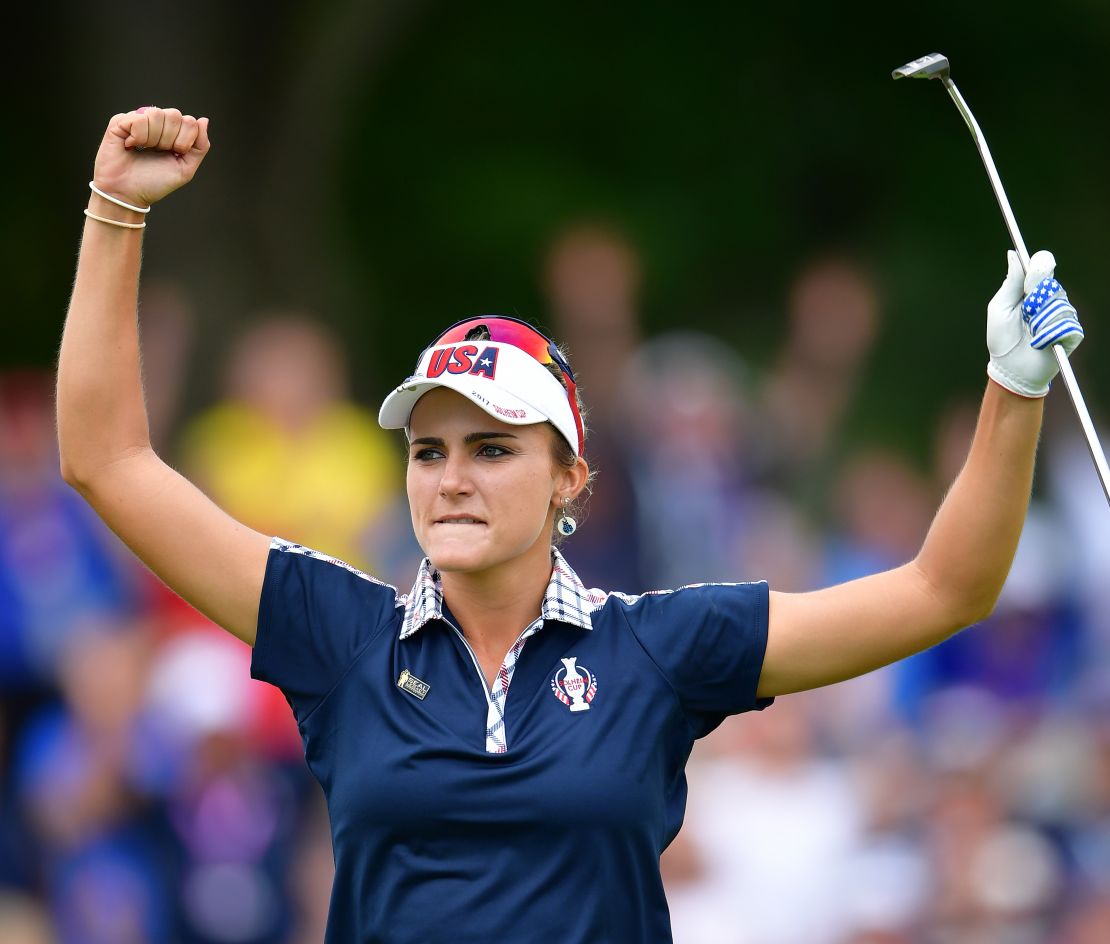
[{"x": 566, "y": 524}]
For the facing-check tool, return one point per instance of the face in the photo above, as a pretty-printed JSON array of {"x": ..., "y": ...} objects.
[{"x": 482, "y": 493}]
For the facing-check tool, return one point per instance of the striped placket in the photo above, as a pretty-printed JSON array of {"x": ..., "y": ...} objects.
[{"x": 565, "y": 599}]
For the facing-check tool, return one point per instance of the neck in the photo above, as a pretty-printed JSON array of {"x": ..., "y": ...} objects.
[{"x": 493, "y": 606}]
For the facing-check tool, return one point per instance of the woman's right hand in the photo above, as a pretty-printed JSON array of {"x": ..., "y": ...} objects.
[{"x": 148, "y": 153}]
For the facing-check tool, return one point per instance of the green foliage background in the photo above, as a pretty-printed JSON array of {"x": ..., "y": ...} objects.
[{"x": 396, "y": 166}]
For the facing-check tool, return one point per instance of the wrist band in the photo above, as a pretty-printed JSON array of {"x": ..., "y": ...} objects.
[
  {"x": 104, "y": 219},
  {"x": 127, "y": 206}
]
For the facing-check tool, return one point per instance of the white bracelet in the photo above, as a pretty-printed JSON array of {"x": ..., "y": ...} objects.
[
  {"x": 104, "y": 219},
  {"x": 127, "y": 206}
]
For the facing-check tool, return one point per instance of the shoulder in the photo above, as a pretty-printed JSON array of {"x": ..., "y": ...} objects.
[
  {"x": 707, "y": 642},
  {"x": 672, "y": 603},
  {"x": 317, "y": 558},
  {"x": 317, "y": 615},
  {"x": 289, "y": 560}
]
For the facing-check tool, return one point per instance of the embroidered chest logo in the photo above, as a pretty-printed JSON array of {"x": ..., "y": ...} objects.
[{"x": 574, "y": 685}]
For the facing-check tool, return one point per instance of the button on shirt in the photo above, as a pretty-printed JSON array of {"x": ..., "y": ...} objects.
[{"x": 533, "y": 810}]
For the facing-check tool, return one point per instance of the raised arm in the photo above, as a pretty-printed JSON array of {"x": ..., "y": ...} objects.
[
  {"x": 829, "y": 635},
  {"x": 211, "y": 560}
]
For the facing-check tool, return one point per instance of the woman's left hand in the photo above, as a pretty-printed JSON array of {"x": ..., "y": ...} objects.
[{"x": 1027, "y": 316}]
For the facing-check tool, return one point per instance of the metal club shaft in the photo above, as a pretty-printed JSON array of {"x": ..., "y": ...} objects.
[
  {"x": 1098, "y": 456},
  {"x": 936, "y": 66}
]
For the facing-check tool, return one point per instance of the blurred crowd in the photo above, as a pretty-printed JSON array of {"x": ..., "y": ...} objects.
[{"x": 150, "y": 792}]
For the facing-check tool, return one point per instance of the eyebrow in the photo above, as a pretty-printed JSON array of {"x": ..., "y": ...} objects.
[{"x": 467, "y": 439}]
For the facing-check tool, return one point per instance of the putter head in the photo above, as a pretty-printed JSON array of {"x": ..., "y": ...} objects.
[{"x": 933, "y": 66}]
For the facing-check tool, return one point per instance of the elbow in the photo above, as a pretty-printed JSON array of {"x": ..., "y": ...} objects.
[
  {"x": 73, "y": 474},
  {"x": 69, "y": 474},
  {"x": 960, "y": 604},
  {"x": 76, "y": 477},
  {"x": 72, "y": 458},
  {"x": 974, "y": 605},
  {"x": 85, "y": 475},
  {"x": 977, "y": 610}
]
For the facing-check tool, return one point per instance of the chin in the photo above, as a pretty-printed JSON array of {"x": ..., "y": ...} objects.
[
  {"x": 454, "y": 556},
  {"x": 455, "y": 561},
  {"x": 450, "y": 557}
]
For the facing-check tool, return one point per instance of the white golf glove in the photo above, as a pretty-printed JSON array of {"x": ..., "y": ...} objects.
[{"x": 1024, "y": 319}]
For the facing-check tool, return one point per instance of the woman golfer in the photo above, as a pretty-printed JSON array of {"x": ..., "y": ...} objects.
[{"x": 501, "y": 749}]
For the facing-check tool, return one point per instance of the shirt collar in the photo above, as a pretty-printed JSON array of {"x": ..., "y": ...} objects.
[{"x": 565, "y": 599}]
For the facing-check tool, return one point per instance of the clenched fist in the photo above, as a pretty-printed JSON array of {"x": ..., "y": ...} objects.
[{"x": 148, "y": 153}]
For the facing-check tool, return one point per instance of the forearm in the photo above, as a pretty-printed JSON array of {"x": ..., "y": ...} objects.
[
  {"x": 971, "y": 544},
  {"x": 101, "y": 413},
  {"x": 829, "y": 635}
]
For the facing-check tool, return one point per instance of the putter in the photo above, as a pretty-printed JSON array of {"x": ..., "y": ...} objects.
[{"x": 935, "y": 66}]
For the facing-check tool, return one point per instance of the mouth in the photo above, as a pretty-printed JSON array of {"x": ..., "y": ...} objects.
[{"x": 458, "y": 519}]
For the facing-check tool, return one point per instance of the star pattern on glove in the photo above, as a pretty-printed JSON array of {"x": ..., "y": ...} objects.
[{"x": 1049, "y": 314}]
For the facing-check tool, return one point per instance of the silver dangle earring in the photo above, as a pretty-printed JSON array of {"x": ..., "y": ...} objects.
[{"x": 566, "y": 524}]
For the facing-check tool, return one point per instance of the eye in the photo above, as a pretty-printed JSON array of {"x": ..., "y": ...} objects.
[
  {"x": 492, "y": 451},
  {"x": 426, "y": 454}
]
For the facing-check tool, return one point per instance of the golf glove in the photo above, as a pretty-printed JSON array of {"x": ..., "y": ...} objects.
[{"x": 1027, "y": 316}]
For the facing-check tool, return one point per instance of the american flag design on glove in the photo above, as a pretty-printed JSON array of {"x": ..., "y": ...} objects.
[{"x": 1049, "y": 314}]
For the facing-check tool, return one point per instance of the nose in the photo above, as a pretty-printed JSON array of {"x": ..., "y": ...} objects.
[{"x": 455, "y": 479}]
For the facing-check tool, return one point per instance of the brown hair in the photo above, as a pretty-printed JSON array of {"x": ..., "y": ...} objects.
[{"x": 563, "y": 454}]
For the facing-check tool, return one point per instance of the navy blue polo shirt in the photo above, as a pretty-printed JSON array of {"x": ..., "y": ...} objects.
[{"x": 532, "y": 811}]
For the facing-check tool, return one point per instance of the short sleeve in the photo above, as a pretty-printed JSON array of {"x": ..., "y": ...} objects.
[
  {"x": 708, "y": 641},
  {"x": 315, "y": 616}
]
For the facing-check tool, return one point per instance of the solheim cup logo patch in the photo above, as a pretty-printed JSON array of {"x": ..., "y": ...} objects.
[{"x": 574, "y": 685}]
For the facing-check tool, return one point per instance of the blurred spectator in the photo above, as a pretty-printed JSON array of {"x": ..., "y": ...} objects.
[
  {"x": 882, "y": 508},
  {"x": 773, "y": 541},
  {"x": 686, "y": 420},
  {"x": 311, "y": 874},
  {"x": 591, "y": 277},
  {"x": 952, "y": 434},
  {"x": 833, "y": 318},
  {"x": 776, "y": 822},
  {"x": 1088, "y": 815},
  {"x": 82, "y": 783},
  {"x": 60, "y": 567},
  {"x": 1031, "y": 645},
  {"x": 17, "y": 867},
  {"x": 150, "y": 792},
  {"x": 994, "y": 875},
  {"x": 167, "y": 323},
  {"x": 23, "y": 920},
  {"x": 390, "y": 543},
  {"x": 887, "y": 876},
  {"x": 286, "y": 452},
  {"x": 699, "y": 904},
  {"x": 232, "y": 815},
  {"x": 1076, "y": 494},
  {"x": 1089, "y": 923}
]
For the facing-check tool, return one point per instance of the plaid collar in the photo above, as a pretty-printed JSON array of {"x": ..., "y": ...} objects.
[{"x": 565, "y": 599}]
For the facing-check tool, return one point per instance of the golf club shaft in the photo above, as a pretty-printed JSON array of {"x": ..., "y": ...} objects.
[{"x": 1068, "y": 375}]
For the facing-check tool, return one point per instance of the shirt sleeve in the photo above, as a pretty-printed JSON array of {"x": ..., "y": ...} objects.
[
  {"x": 708, "y": 641},
  {"x": 315, "y": 617}
]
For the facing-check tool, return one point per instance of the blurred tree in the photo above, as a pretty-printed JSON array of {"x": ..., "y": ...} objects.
[{"x": 397, "y": 164}]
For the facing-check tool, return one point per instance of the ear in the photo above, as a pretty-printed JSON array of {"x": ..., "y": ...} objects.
[{"x": 569, "y": 482}]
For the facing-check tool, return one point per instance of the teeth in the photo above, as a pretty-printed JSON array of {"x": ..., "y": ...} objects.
[{"x": 460, "y": 521}]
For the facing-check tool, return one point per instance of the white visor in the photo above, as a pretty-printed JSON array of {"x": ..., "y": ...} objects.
[{"x": 509, "y": 384}]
